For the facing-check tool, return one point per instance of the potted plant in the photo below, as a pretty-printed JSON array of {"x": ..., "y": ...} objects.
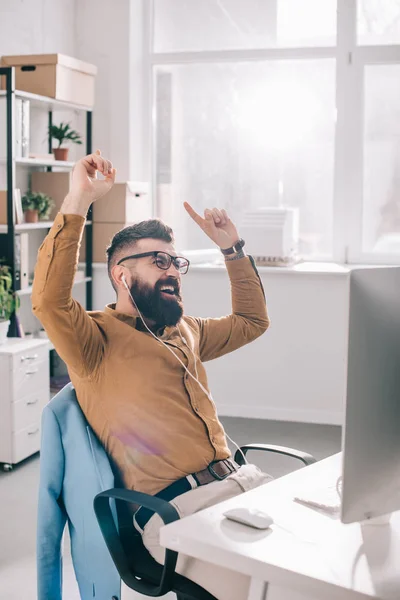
[
  {"x": 36, "y": 205},
  {"x": 63, "y": 133},
  {"x": 8, "y": 301}
]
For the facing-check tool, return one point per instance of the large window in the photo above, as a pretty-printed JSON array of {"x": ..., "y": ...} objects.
[
  {"x": 381, "y": 181},
  {"x": 280, "y": 103}
]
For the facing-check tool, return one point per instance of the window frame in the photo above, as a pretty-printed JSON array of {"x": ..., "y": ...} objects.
[{"x": 351, "y": 60}]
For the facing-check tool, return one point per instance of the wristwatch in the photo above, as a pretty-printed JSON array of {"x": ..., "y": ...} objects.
[{"x": 235, "y": 249}]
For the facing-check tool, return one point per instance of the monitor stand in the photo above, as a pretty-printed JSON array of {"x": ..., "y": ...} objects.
[{"x": 382, "y": 520}]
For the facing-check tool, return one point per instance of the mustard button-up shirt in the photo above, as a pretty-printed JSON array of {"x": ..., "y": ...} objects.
[{"x": 154, "y": 420}]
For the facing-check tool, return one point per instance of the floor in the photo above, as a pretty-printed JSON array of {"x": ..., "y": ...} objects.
[{"x": 18, "y": 494}]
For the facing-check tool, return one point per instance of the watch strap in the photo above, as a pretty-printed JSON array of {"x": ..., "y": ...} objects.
[{"x": 233, "y": 249}]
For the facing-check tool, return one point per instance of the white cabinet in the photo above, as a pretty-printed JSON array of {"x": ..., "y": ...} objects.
[{"x": 24, "y": 391}]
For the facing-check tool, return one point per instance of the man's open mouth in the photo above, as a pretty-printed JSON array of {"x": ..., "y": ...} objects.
[{"x": 169, "y": 290}]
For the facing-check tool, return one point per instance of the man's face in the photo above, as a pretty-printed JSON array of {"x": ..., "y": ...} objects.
[{"x": 155, "y": 291}]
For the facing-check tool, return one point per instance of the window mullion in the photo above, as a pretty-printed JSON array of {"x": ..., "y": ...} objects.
[{"x": 347, "y": 172}]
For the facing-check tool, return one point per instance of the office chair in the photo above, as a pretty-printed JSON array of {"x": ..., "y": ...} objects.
[{"x": 135, "y": 565}]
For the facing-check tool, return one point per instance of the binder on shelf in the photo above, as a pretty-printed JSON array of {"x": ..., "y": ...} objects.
[
  {"x": 22, "y": 259},
  {"x": 25, "y": 128},
  {"x": 17, "y": 127},
  {"x": 19, "y": 213}
]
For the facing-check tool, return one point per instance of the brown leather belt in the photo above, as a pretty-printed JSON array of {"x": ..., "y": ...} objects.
[{"x": 216, "y": 471}]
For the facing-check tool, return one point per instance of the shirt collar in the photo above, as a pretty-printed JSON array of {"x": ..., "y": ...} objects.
[{"x": 133, "y": 321}]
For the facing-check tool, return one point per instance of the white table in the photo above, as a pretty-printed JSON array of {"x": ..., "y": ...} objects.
[{"x": 306, "y": 554}]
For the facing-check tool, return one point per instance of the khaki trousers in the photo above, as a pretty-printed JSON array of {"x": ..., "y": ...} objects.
[{"x": 220, "y": 582}]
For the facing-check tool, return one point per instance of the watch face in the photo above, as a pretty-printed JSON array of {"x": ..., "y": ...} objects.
[{"x": 239, "y": 245}]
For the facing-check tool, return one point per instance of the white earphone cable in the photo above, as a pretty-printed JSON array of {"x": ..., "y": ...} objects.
[{"x": 195, "y": 378}]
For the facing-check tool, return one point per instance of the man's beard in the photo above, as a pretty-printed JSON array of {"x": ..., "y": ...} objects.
[{"x": 164, "y": 311}]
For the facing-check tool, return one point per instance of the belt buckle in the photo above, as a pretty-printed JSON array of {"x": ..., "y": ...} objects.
[{"x": 220, "y": 477}]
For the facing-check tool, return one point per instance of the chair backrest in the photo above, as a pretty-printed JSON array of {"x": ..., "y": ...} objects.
[{"x": 74, "y": 468}]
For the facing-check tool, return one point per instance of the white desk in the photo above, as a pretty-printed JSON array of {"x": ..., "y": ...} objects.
[{"x": 306, "y": 554}]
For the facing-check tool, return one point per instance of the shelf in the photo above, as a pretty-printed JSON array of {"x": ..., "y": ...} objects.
[
  {"x": 32, "y": 226},
  {"x": 48, "y": 103},
  {"x": 37, "y": 162},
  {"x": 28, "y": 290}
]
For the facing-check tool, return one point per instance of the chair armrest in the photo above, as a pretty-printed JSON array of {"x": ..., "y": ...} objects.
[
  {"x": 110, "y": 533},
  {"x": 307, "y": 459}
]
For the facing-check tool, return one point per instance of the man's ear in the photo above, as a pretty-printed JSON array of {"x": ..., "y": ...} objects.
[{"x": 119, "y": 277}]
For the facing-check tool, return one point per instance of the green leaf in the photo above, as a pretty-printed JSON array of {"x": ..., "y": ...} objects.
[
  {"x": 38, "y": 201},
  {"x": 63, "y": 132},
  {"x": 9, "y": 302}
]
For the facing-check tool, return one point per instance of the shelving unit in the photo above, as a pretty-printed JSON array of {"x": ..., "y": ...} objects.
[
  {"x": 27, "y": 363},
  {"x": 12, "y": 163}
]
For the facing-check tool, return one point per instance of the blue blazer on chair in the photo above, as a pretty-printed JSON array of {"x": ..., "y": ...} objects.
[{"x": 73, "y": 469}]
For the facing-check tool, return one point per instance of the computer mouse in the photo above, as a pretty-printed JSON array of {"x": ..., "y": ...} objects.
[{"x": 252, "y": 517}]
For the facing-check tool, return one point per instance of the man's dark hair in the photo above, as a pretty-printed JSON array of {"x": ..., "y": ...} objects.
[{"x": 124, "y": 239}]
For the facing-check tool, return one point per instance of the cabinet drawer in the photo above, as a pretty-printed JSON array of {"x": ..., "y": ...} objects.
[
  {"x": 31, "y": 378},
  {"x": 29, "y": 358},
  {"x": 29, "y": 410},
  {"x": 25, "y": 443}
]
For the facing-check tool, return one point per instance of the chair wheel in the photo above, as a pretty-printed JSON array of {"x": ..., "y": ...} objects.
[{"x": 7, "y": 468}]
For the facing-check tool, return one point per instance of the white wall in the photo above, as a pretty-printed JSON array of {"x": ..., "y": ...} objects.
[
  {"x": 102, "y": 38},
  {"x": 109, "y": 35},
  {"x": 37, "y": 26}
]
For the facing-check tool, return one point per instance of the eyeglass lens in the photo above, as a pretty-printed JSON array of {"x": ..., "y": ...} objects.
[{"x": 163, "y": 261}]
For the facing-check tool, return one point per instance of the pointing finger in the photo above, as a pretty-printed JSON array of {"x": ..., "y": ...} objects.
[{"x": 196, "y": 217}]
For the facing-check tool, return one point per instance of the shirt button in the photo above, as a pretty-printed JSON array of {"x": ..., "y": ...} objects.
[
  {"x": 59, "y": 226},
  {"x": 49, "y": 256}
]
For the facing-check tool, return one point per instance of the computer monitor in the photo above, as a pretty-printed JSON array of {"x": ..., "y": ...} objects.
[{"x": 371, "y": 436}]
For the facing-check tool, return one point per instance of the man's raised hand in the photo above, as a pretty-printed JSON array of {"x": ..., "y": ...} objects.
[
  {"x": 216, "y": 224},
  {"x": 85, "y": 187}
]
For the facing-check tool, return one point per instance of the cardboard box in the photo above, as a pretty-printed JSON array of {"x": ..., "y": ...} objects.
[
  {"x": 18, "y": 207},
  {"x": 126, "y": 202},
  {"x": 55, "y": 185},
  {"x": 102, "y": 236},
  {"x": 54, "y": 75},
  {"x": 3, "y": 207}
]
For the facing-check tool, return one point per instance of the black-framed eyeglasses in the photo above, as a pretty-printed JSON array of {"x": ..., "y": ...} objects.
[{"x": 163, "y": 260}]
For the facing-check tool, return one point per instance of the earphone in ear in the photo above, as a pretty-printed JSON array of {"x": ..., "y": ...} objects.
[{"x": 124, "y": 282}]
